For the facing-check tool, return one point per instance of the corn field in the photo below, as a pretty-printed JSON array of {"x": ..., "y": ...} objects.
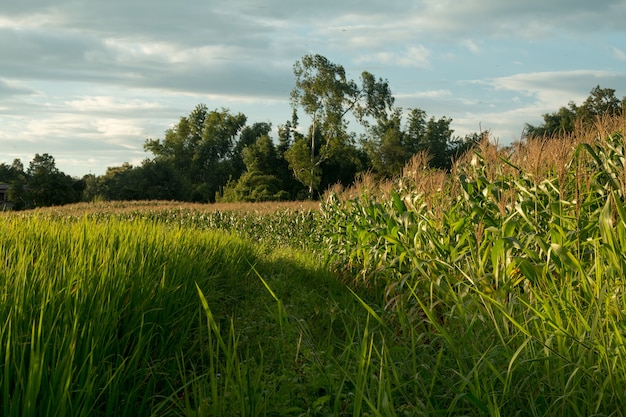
[
  {"x": 510, "y": 270},
  {"x": 496, "y": 289}
]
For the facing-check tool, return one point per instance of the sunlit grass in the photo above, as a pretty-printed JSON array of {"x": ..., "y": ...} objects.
[
  {"x": 126, "y": 207},
  {"x": 512, "y": 281},
  {"x": 496, "y": 290},
  {"x": 95, "y": 314},
  {"x": 292, "y": 224},
  {"x": 109, "y": 316}
]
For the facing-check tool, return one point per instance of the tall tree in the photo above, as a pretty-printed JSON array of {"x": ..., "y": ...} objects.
[
  {"x": 385, "y": 144},
  {"x": 11, "y": 173},
  {"x": 322, "y": 90},
  {"x": 326, "y": 95},
  {"x": 15, "y": 176},
  {"x": 601, "y": 102},
  {"x": 248, "y": 136},
  {"x": 201, "y": 147},
  {"x": 287, "y": 135},
  {"x": 261, "y": 156},
  {"x": 260, "y": 182},
  {"x": 47, "y": 186},
  {"x": 390, "y": 144},
  {"x": 436, "y": 140}
]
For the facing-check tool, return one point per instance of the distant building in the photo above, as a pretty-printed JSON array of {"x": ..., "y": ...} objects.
[{"x": 5, "y": 204}]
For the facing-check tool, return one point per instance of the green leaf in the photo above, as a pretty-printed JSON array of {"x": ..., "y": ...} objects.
[
  {"x": 606, "y": 225},
  {"x": 398, "y": 204},
  {"x": 567, "y": 258}
]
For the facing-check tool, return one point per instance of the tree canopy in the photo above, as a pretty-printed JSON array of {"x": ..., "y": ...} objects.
[
  {"x": 41, "y": 184},
  {"x": 601, "y": 102},
  {"x": 211, "y": 155}
]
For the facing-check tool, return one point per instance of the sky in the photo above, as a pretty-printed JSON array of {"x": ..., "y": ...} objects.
[{"x": 88, "y": 81}]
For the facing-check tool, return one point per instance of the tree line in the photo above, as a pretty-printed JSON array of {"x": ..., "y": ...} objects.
[
  {"x": 214, "y": 155},
  {"x": 600, "y": 103}
]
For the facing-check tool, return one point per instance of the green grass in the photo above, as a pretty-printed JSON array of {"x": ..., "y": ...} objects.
[
  {"x": 515, "y": 284},
  {"x": 498, "y": 291},
  {"x": 113, "y": 317}
]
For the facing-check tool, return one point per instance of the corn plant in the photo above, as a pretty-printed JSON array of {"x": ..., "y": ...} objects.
[{"x": 519, "y": 279}]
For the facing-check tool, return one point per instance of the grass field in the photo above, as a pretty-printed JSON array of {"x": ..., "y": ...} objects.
[{"x": 495, "y": 290}]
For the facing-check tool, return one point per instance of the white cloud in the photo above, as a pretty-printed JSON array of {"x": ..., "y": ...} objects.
[
  {"x": 414, "y": 56},
  {"x": 13, "y": 87},
  {"x": 425, "y": 94},
  {"x": 118, "y": 130},
  {"x": 30, "y": 21},
  {"x": 54, "y": 127},
  {"x": 96, "y": 76},
  {"x": 525, "y": 97},
  {"x": 619, "y": 54},
  {"x": 471, "y": 46},
  {"x": 129, "y": 51},
  {"x": 106, "y": 104},
  {"x": 555, "y": 89},
  {"x": 531, "y": 18}
]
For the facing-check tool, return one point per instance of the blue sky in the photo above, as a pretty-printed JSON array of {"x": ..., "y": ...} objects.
[{"x": 89, "y": 81}]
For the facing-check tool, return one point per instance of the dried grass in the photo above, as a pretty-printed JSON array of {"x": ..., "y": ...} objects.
[
  {"x": 537, "y": 159},
  {"x": 120, "y": 207}
]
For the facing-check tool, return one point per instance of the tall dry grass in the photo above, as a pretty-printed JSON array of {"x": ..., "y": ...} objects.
[
  {"x": 538, "y": 158},
  {"x": 125, "y": 207}
]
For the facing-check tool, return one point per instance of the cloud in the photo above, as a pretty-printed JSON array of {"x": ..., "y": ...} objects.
[
  {"x": 555, "y": 88},
  {"x": 13, "y": 88},
  {"x": 108, "y": 104},
  {"x": 99, "y": 76},
  {"x": 471, "y": 46},
  {"x": 426, "y": 94},
  {"x": 522, "y": 98},
  {"x": 22, "y": 18},
  {"x": 530, "y": 19},
  {"x": 414, "y": 56},
  {"x": 619, "y": 54},
  {"x": 117, "y": 130}
]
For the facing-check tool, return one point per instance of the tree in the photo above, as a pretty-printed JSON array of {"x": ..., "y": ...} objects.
[
  {"x": 322, "y": 90},
  {"x": 15, "y": 176},
  {"x": 287, "y": 135},
  {"x": 436, "y": 139},
  {"x": 201, "y": 148},
  {"x": 601, "y": 102},
  {"x": 386, "y": 145},
  {"x": 260, "y": 182},
  {"x": 47, "y": 186},
  {"x": 305, "y": 164},
  {"x": 415, "y": 132},
  {"x": 253, "y": 187},
  {"x": 561, "y": 121},
  {"x": 261, "y": 156},
  {"x": 13, "y": 172},
  {"x": 117, "y": 184},
  {"x": 248, "y": 136},
  {"x": 343, "y": 166},
  {"x": 157, "y": 180},
  {"x": 93, "y": 188},
  {"x": 390, "y": 144},
  {"x": 327, "y": 96}
]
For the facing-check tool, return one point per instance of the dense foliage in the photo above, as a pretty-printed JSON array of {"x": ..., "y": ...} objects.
[
  {"x": 214, "y": 155},
  {"x": 494, "y": 290},
  {"x": 42, "y": 184},
  {"x": 600, "y": 103},
  {"x": 510, "y": 272}
]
